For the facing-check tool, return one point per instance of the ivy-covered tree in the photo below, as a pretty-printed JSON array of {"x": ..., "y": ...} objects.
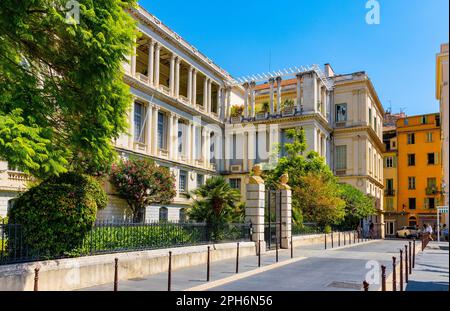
[
  {"x": 140, "y": 182},
  {"x": 62, "y": 98},
  {"x": 357, "y": 205}
]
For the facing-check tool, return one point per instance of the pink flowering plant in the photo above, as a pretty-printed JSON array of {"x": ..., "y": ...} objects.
[{"x": 140, "y": 182}]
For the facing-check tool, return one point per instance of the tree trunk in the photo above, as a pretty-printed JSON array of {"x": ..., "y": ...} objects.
[{"x": 138, "y": 215}]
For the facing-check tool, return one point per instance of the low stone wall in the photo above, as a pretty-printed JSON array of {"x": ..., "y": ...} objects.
[
  {"x": 76, "y": 273},
  {"x": 309, "y": 239}
]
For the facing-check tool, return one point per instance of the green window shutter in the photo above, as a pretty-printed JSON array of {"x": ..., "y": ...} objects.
[
  {"x": 395, "y": 161},
  {"x": 436, "y": 157}
]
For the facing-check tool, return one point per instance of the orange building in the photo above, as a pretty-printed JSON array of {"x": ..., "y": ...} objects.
[{"x": 419, "y": 168}]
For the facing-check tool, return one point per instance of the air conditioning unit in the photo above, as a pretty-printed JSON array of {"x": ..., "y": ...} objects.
[{"x": 235, "y": 168}]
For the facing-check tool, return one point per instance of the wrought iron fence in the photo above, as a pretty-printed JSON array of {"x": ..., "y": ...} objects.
[
  {"x": 107, "y": 238},
  {"x": 305, "y": 228}
]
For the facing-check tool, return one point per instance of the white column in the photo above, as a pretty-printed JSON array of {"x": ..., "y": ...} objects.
[
  {"x": 155, "y": 131},
  {"x": 175, "y": 153},
  {"x": 227, "y": 114},
  {"x": 177, "y": 77},
  {"x": 194, "y": 87},
  {"x": 208, "y": 148},
  {"x": 272, "y": 83},
  {"x": 278, "y": 95},
  {"x": 251, "y": 148},
  {"x": 203, "y": 129},
  {"x": 315, "y": 95},
  {"x": 133, "y": 61},
  {"x": 151, "y": 59},
  {"x": 189, "y": 88},
  {"x": 131, "y": 121},
  {"x": 149, "y": 129},
  {"x": 170, "y": 137},
  {"x": 246, "y": 87},
  {"x": 157, "y": 60},
  {"x": 209, "y": 95},
  {"x": 187, "y": 143},
  {"x": 172, "y": 75},
  {"x": 252, "y": 98},
  {"x": 219, "y": 100},
  {"x": 193, "y": 146},
  {"x": 205, "y": 95},
  {"x": 299, "y": 92},
  {"x": 228, "y": 149},
  {"x": 245, "y": 151}
]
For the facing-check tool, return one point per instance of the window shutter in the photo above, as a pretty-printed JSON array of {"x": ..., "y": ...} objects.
[
  {"x": 425, "y": 203},
  {"x": 394, "y": 160},
  {"x": 436, "y": 158}
]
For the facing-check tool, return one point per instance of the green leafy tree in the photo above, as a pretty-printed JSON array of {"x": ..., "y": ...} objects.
[
  {"x": 140, "y": 182},
  {"x": 62, "y": 98},
  {"x": 216, "y": 203},
  {"x": 357, "y": 205}
]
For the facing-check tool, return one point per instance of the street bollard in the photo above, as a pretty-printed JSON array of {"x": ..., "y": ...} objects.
[
  {"x": 414, "y": 253},
  {"x": 259, "y": 254},
  {"x": 276, "y": 252},
  {"x": 394, "y": 276},
  {"x": 354, "y": 237},
  {"x": 332, "y": 240},
  {"x": 292, "y": 247},
  {"x": 339, "y": 238},
  {"x": 36, "y": 279},
  {"x": 406, "y": 263},
  {"x": 401, "y": 270},
  {"x": 325, "y": 241},
  {"x": 116, "y": 274},
  {"x": 366, "y": 286},
  {"x": 383, "y": 278},
  {"x": 410, "y": 258},
  {"x": 350, "y": 238},
  {"x": 237, "y": 258},
  {"x": 169, "y": 275},
  {"x": 344, "y": 237},
  {"x": 208, "y": 263}
]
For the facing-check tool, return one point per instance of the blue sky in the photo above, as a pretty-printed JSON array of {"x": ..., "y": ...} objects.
[{"x": 398, "y": 54}]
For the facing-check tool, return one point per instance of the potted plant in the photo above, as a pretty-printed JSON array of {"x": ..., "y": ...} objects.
[
  {"x": 236, "y": 113},
  {"x": 288, "y": 107},
  {"x": 262, "y": 113}
]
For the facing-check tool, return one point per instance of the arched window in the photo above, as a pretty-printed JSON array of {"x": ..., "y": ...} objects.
[
  {"x": 412, "y": 221},
  {"x": 163, "y": 214},
  {"x": 183, "y": 216}
]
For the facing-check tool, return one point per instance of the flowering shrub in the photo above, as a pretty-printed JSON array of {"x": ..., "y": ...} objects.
[{"x": 140, "y": 182}]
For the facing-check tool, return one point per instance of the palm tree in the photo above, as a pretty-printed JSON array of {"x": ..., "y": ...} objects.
[{"x": 215, "y": 203}]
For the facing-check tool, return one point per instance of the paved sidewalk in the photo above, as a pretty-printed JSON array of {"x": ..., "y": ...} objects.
[{"x": 432, "y": 269}]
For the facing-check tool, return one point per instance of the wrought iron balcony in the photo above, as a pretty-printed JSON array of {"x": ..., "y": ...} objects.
[
  {"x": 432, "y": 191},
  {"x": 389, "y": 192}
]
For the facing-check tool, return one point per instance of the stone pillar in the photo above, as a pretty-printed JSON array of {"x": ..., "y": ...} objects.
[
  {"x": 209, "y": 97},
  {"x": 252, "y": 99},
  {"x": 194, "y": 87},
  {"x": 175, "y": 154},
  {"x": 278, "y": 95},
  {"x": 133, "y": 61},
  {"x": 193, "y": 146},
  {"x": 189, "y": 88},
  {"x": 251, "y": 148},
  {"x": 172, "y": 75},
  {"x": 155, "y": 131},
  {"x": 286, "y": 211},
  {"x": 208, "y": 148},
  {"x": 149, "y": 129},
  {"x": 205, "y": 95},
  {"x": 272, "y": 83},
  {"x": 131, "y": 127},
  {"x": 245, "y": 151},
  {"x": 299, "y": 92},
  {"x": 219, "y": 102},
  {"x": 151, "y": 60},
  {"x": 177, "y": 77},
  {"x": 227, "y": 114},
  {"x": 157, "y": 60},
  {"x": 187, "y": 143},
  {"x": 246, "y": 87},
  {"x": 254, "y": 207},
  {"x": 170, "y": 138},
  {"x": 228, "y": 149},
  {"x": 203, "y": 144}
]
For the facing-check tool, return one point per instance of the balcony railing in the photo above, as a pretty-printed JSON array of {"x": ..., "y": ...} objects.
[
  {"x": 389, "y": 192},
  {"x": 431, "y": 190}
]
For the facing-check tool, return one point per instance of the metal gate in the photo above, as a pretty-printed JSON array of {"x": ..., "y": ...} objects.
[{"x": 272, "y": 219}]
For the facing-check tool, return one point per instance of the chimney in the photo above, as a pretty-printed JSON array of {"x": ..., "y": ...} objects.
[{"x": 329, "y": 72}]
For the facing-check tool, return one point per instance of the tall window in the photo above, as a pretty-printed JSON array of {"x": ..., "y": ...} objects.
[
  {"x": 341, "y": 113},
  {"x": 389, "y": 184},
  {"x": 390, "y": 204},
  {"x": 370, "y": 116},
  {"x": 412, "y": 203},
  {"x": 432, "y": 158},
  {"x": 200, "y": 180},
  {"x": 411, "y": 159},
  {"x": 138, "y": 122},
  {"x": 163, "y": 214},
  {"x": 429, "y": 137},
  {"x": 423, "y": 120},
  {"x": 182, "y": 216},
  {"x": 389, "y": 162},
  {"x": 375, "y": 124},
  {"x": 183, "y": 181},
  {"x": 341, "y": 157},
  {"x": 235, "y": 183},
  {"x": 411, "y": 183},
  {"x": 180, "y": 138},
  {"x": 161, "y": 130},
  {"x": 430, "y": 203},
  {"x": 411, "y": 139}
]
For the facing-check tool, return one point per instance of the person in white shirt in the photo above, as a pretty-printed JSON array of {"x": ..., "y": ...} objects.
[{"x": 429, "y": 231}]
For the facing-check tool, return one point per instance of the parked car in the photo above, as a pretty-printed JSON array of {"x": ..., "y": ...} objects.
[{"x": 408, "y": 232}]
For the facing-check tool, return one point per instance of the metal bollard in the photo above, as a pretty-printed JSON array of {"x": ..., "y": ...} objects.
[
  {"x": 332, "y": 240},
  {"x": 406, "y": 263},
  {"x": 401, "y": 270},
  {"x": 276, "y": 252},
  {"x": 410, "y": 258},
  {"x": 325, "y": 241},
  {"x": 350, "y": 238},
  {"x": 383, "y": 278},
  {"x": 237, "y": 258},
  {"x": 292, "y": 247},
  {"x": 344, "y": 237},
  {"x": 354, "y": 237},
  {"x": 259, "y": 254},
  {"x": 116, "y": 274},
  {"x": 36, "y": 279},
  {"x": 169, "y": 276},
  {"x": 208, "y": 263},
  {"x": 366, "y": 286},
  {"x": 414, "y": 253},
  {"x": 394, "y": 276},
  {"x": 339, "y": 238}
]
